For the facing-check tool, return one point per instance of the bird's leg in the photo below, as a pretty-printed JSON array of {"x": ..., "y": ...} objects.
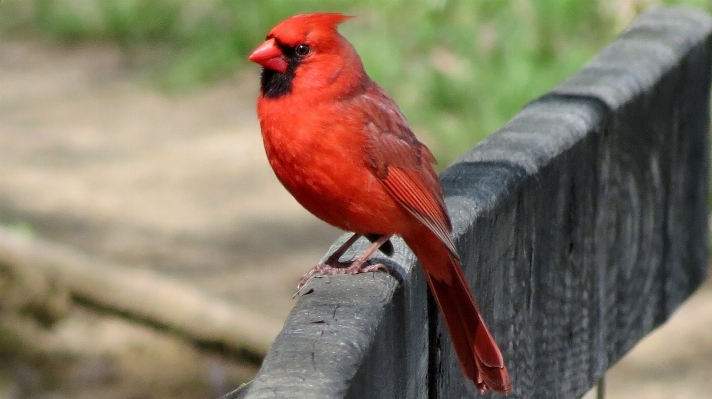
[
  {"x": 358, "y": 266},
  {"x": 334, "y": 257},
  {"x": 333, "y": 266},
  {"x": 332, "y": 262}
]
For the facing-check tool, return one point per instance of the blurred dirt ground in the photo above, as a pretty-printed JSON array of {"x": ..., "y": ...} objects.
[{"x": 93, "y": 156}]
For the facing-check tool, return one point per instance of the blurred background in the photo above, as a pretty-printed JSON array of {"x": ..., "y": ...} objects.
[{"x": 129, "y": 144}]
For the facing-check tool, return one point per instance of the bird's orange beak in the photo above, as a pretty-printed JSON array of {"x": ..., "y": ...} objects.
[{"x": 269, "y": 55}]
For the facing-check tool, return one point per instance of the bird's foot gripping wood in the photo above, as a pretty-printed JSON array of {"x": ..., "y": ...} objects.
[
  {"x": 331, "y": 268},
  {"x": 360, "y": 265}
]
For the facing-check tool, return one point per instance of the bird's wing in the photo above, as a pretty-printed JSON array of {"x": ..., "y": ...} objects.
[{"x": 404, "y": 165}]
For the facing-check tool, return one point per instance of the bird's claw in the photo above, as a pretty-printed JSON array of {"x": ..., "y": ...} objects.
[{"x": 331, "y": 268}]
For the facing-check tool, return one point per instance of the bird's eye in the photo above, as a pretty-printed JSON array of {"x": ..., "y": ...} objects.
[{"x": 302, "y": 50}]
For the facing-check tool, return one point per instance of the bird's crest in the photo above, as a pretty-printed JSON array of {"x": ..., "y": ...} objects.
[{"x": 295, "y": 29}]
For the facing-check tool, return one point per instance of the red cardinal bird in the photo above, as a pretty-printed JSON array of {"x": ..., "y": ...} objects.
[{"x": 344, "y": 150}]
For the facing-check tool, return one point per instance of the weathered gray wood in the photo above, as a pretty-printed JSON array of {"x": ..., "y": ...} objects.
[{"x": 581, "y": 225}]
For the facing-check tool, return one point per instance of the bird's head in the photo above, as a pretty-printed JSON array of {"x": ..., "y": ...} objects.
[{"x": 305, "y": 52}]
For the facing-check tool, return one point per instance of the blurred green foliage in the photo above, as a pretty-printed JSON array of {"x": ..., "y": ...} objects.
[{"x": 458, "y": 68}]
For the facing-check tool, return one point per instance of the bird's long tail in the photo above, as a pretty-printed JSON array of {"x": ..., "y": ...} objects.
[{"x": 479, "y": 356}]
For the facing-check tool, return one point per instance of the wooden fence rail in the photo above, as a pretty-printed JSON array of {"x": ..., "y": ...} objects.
[{"x": 582, "y": 225}]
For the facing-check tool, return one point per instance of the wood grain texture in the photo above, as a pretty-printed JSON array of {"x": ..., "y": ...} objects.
[{"x": 582, "y": 225}]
